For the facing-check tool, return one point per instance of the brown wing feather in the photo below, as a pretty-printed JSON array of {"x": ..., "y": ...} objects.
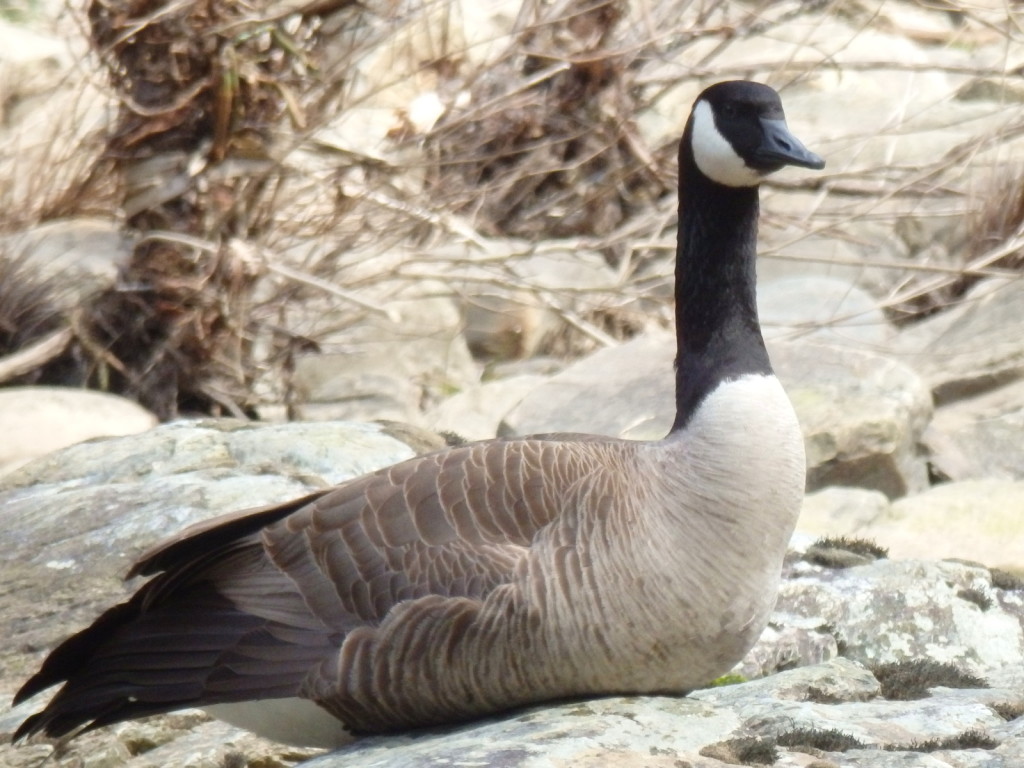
[
  {"x": 257, "y": 602},
  {"x": 453, "y": 524},
  {"x": 213, "y": 534}
]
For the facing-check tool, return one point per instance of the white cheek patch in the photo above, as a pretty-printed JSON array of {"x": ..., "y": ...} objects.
[{"x": 715, "y": 156}]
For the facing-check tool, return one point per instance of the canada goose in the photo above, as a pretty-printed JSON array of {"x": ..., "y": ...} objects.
[{"x": 497, "y": 573}]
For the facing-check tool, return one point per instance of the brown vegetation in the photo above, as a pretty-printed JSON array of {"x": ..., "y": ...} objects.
[{"x": 218, "y": 161}]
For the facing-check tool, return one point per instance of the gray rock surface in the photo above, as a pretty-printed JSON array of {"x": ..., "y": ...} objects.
[
  {"x": 862, "y": 415},
  {"x": 972, "y": 347},
  {"x": 385, "y": 367},
  {"x": 979, "y": 437},
  {"x": 476, "y": 412},
  {"x": 894, "y": 610},
  {"x": 626, "y": 391},
  {"x": 840, "y": 511},
  {"x": 978, "y": 520},
  {"x": 515, "y": 307},
  {"x": 826, "y": 309}
]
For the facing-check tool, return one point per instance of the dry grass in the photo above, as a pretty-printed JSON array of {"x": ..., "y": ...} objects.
[{"x": 249, "y": 205}]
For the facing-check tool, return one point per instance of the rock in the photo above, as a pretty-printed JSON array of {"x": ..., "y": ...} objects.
[
  {"x": 788, "y": 642},
  {"x": 476, "y": 412},
  {"x": 841, "y": 511},
  {"x": 823, "y": 98},
  {"x": 977, "y": 520},
  {"x": 980, "y": 520},
  {"x": 52, "y": 115},
  {"x": 514, "y": 310},
  {"x": 507, "y": 327},
  {"x": 809, "y": 255},
  {"x": 896, "y": 610},
  {"x": 202, "y": 743},
  {"x": 979, "y": 437},
  {"x": 38, "y": 420},
  {"x": 188, "y": 738},
  {"x": 357, "y": 386},
  {"x": 970, "y": 348},
  {"x": 705, "y": 727},
  {"x": 625, "y": 391},
  {"x": 118, "y": 495},
  {"x": 613, "y": 731},
  {"x": 386, "y": 367},
  {"x": 75, "y": 520},
  {"x": 816, "y": 709},
  {"x": 824, "y": 309},
  {"x": 989, "y": 89},
  {"x": 31, "y": 64},
  {"x": 862, "y": 414}
]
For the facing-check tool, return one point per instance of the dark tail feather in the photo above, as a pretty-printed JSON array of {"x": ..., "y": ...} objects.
[{"x": 192, "y": 647}]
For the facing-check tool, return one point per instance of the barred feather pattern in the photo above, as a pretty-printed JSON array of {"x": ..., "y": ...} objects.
[{"x": 463, "y": 582}]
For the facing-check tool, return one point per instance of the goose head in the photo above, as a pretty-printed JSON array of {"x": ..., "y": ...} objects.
[{"x": 738, "y": 135}]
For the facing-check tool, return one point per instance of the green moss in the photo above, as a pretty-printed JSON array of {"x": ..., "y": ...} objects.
[
  {"x": 975, "y": 596},
  {"x": 906, "y": 680},
  {"x": 844, "y": 552},
  {"x": 1009, "y": 710},
  {"x": 757, "y": 752},
  {"x": 1006, "y": 580},
  {"x": 973, "y": 739},
  {"x": 830, "y": 740},
  {"x": 730, "y": 679},
  {"x": 819, "y": 696},
  {"x": 746, "y": 751}
]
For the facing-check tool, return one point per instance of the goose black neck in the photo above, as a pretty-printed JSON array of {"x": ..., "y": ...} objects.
[{"x": 717, "y": 329}]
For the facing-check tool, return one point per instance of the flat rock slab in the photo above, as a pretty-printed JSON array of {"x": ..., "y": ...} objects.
[
  {"x": 973, "y": 346},
  {"x": 822, "y": 308},
  {"x": 476, "y": 412},
  {"x": 84, "y": 254},
  {"x": 707, "y": 728},
  {"x": 980, "y": 520},
  {"x": 383, "y": 367},
  {"x": 862, "y": 415},
  {"x": 979, "y": 437}
]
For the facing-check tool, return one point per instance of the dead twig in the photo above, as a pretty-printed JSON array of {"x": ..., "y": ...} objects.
[{"x": 35, "y": 356}]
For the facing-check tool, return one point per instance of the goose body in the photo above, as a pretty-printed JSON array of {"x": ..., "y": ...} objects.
[{"x": 503, "y": 572}]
